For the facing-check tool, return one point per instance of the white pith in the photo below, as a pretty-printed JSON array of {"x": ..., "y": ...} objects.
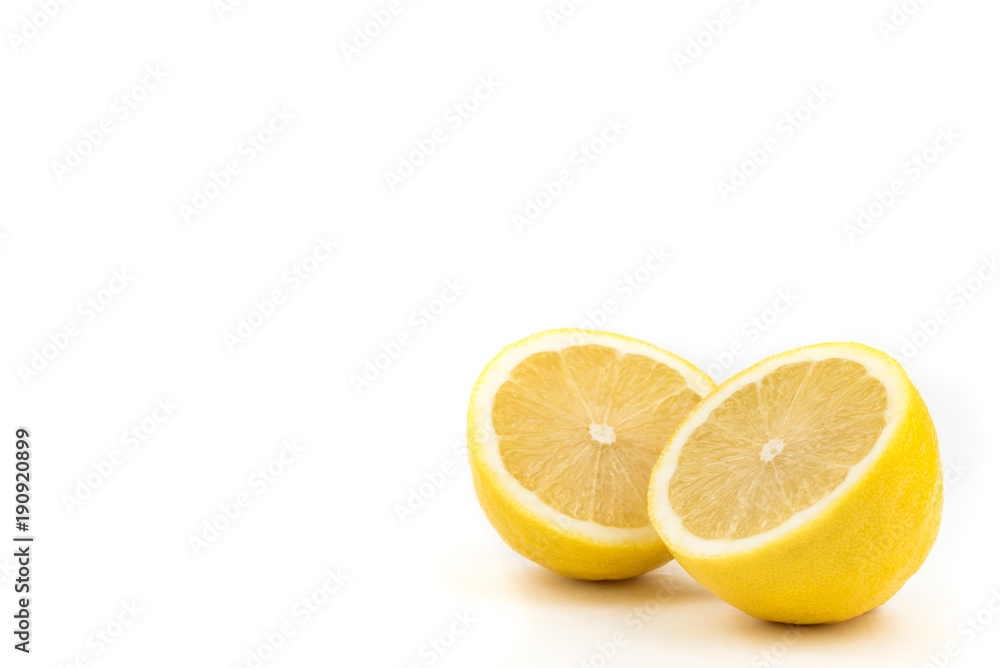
[
  {"x": 671, "y": 526},
  {"x": 485, "y": 439}
]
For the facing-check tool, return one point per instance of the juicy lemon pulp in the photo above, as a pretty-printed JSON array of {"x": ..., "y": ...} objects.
[
  {"x": 582, "y": 427},
  {"x": 777, "y": 446}
]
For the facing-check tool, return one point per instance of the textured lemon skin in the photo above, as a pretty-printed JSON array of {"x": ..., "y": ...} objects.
[
  {"x": 854, "y": 556},
  {"x": 557, "y": 548}
]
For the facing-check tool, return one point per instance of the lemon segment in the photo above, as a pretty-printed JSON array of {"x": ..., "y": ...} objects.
[
  {"x": 805, "y": 489},
  {"x": 564, "y": 428}
]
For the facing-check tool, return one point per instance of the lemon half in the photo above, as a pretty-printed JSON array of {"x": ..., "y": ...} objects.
[
  {"x": 563, "y": 430},
  {"x": 806, "y": 488}
]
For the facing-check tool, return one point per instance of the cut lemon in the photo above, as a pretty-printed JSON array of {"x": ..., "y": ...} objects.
[
  {"x": 805, "y": 489},
  {"x": 564, "y": 428}
]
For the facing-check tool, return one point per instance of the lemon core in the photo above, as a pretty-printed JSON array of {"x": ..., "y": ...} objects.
[{"x": 602, "y": 433}]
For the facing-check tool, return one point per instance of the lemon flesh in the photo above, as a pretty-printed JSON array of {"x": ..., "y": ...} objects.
[
  {"x": 583, "y": 426},
  {"x": 564, "y": 429},
  {"x": 805, "y": 489},
  {"x": 777, "y": 446}
]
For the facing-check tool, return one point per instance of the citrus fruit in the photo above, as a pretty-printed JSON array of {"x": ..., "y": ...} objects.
[
  {"x": 563, "y": 430},
  {"x": 806, "y": 488}
]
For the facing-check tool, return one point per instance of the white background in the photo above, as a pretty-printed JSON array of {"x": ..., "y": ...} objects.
[{"x": 336, "y": 506}]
